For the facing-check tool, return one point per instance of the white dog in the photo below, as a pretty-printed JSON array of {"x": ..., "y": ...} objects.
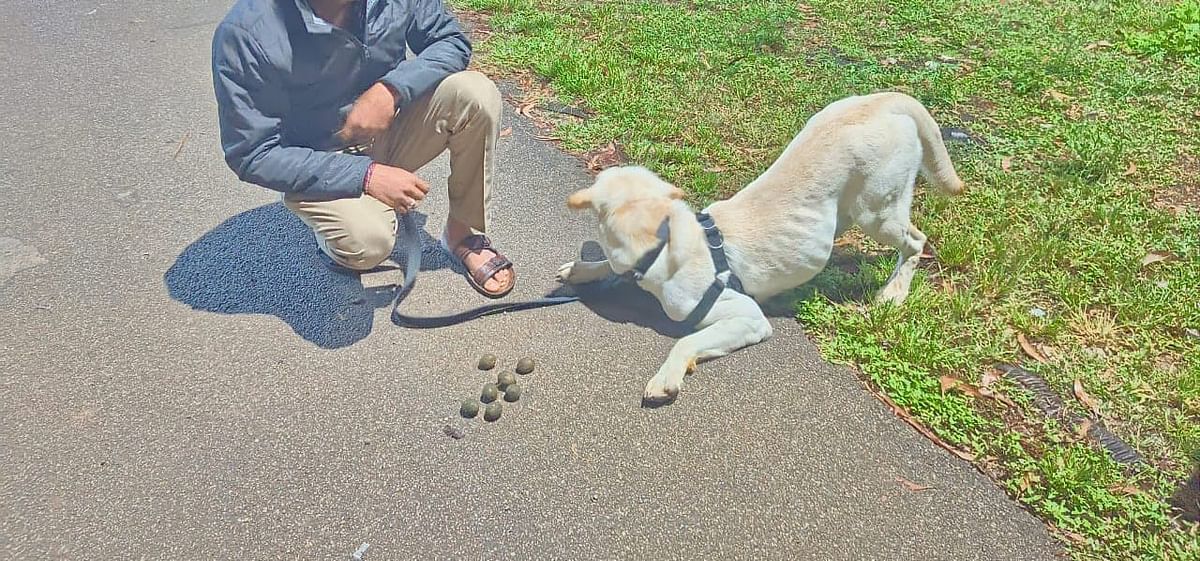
[{"x": 855, "y": 162}]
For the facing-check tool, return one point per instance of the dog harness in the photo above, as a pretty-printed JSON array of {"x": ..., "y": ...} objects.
[{"x": 716, "y": 248}]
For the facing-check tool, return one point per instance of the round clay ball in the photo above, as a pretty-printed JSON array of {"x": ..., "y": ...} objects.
[
  {"x": 490, "y": 393},
  {"x": 469, "y": 409},
  {"x": 487, "y": 362},
  {"x": 524, "y": 366},
  {"x": 506, "y": 379},
  {"x": 512, "y": 393},
  {"x": 492, "y": 411}
]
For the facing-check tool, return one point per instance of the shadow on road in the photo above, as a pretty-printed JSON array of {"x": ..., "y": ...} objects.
[
  {"x": 622, "y": 301},
  {"x": 265, "y": 261}
]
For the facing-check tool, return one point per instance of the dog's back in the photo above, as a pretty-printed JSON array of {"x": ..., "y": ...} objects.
[
  {"x": 873, "y": 126},
  {"x": 854, "y": 162}
]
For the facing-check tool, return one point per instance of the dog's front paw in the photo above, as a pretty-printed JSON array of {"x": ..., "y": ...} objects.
[
  {"x": 583, "y": 272},
  {"x": 564, "y": 272},
  {"x": 660, "y": 393}
]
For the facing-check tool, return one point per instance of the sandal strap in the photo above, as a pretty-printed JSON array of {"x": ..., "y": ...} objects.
[
  {"x": 480, "y": 242},
  {"x": 472, "y": 243},
  {"x": 489, "y": 269},
  {"x": 476, "y": 242}
]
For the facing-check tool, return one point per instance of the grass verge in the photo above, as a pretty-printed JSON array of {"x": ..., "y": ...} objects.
[{"x": 1079, "y": 236}]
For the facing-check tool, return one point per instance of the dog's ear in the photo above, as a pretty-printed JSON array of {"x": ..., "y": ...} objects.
[
  {"x": 580, "y": 199},
  {"x": 676, "y": 193}
]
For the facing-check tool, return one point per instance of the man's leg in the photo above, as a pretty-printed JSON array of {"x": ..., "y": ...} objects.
[
  {"x": 356, "y": 233},
  {"x": 462, "y": 114}
]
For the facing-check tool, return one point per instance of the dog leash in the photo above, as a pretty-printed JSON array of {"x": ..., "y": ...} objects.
[
  {"x": 413, "y": 265},
  {"x": 716, "y": 245}
]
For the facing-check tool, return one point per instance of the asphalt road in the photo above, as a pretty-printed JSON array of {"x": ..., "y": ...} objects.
[{"x": 181, "y": 380}]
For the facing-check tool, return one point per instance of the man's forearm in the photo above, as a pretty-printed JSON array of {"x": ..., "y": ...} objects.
[{"x": 301, "y": 171}]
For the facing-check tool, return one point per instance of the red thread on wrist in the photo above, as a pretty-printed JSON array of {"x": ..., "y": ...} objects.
[{"x": 367, "y": 176}]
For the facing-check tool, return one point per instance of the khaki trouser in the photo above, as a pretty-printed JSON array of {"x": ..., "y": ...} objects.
[{"x": 461, "y": 114}]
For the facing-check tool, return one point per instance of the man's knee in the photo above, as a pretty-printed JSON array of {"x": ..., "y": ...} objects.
[
  {"x": 361, "y": 246},
  {"x": 477, "y": 89}
]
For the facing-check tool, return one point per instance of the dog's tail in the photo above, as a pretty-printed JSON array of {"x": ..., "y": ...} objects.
[{"x": 935, "y": 165}]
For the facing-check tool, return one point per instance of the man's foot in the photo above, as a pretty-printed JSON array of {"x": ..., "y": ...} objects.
[{"x": 489, "y": 272}]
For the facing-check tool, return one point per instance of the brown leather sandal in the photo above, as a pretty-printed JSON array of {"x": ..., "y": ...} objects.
[{"x": 476, "y": 278}]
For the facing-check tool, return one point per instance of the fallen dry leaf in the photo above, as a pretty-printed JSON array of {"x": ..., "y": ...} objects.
[
  {"x": 1073, "y": 536},
  {"x": 1129, "y": 171},
  {"x": 182, "y": 141},
  {"x": 1127, "y": 490},
  {"x": 1006, "y": 164},
  {"x": 1083, "y": 428},
  {"x": 506, "y": 132},
  {"x": 948, "y": 382},
  {"x": 951, "y": 383},
  {"x": 1152, "y": 258},
  {"x": 609, "y": 156},
  {"x": 1086, "y": 399},
  {"x": 914, "y": 487},
  {"x": 716, "y": 169},
  {"x": 989, "y": 378},
  {"x": 1027, "y": 481},
  {"x": 1058, "y": 96},
  {"x": 987, "y": 391},
  {"x": 1030, "y": 349},
  {"x": 526, "y": 108}
]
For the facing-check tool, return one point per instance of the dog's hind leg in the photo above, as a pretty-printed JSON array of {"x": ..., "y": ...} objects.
[
  {"x": 909, "y": 241},
  {"x": 742, "y": 324}
]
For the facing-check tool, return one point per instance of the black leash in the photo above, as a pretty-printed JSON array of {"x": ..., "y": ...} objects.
[
  {"x": 716, "y": 245},
  {"x": 413, "y": 265}
]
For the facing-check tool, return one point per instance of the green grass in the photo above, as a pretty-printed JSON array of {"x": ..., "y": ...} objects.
[
  {"x": 1176, "y": 35},
  {"x": 1088, "y": 113}
]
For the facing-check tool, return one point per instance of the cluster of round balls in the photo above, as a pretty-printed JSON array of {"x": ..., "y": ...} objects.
[{"x": 506, "y": 382}]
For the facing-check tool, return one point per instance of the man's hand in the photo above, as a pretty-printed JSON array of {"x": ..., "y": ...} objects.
[
  {"x": 396, "y": 187},
  {"x": 371, "y": 115}
]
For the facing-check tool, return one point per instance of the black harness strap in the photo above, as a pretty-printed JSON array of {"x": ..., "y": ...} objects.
[
  {"x": 643, "y": 265},
  {"x": 716, "y": 248}
]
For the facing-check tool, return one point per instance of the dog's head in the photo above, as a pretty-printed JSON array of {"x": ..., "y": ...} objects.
[
  {"x": 631, "y": 202},
  {"x": 618, "y": 186}
]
